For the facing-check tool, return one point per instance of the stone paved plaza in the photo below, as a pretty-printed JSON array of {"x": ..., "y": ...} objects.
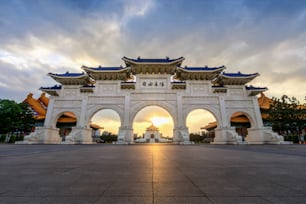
[{"x": 152, "y": 174}]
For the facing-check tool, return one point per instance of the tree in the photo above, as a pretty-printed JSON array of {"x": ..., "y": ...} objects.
[
  {"x": 287, "y": 114},
  {"x": 15, "y": 117}
]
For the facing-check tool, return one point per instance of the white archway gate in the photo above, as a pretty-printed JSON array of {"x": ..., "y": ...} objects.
[{"x": 160, "y": 82}]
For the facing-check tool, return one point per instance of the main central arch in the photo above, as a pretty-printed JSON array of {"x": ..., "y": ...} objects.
[{"x": 157, "y": 82}]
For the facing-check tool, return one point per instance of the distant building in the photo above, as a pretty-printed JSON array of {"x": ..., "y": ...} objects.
[
  {"x": 152, "y": 135},
  {"x": 65, "y": 122}
]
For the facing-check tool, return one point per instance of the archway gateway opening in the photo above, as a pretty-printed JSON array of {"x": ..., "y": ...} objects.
[
  {"x": 196, "y": 120},
  {"x": 64, "y": 123},
  {"x": 106, "y": 124},
  {"x": 241, "y": 122},
  {"x": 153, "y": 124},
  {"x": 164, "y": 82}
]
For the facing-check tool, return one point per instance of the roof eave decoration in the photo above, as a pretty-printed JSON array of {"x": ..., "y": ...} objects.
[
  {"x": 128, "y": 85},
  {"x": 71, "y": 78},
  {"x": 167, "y": 60},
  {"x": 198, "y": 73},
  {"x": 253, "y": 91},
  {"x": 219, "y": 89},
  {"x": 234, "y": 78},
  {"x": 54, "y": 90},
  {"x": 178, "y": 85},
  {"x": 105, "y": 69},
  {"x": 108, "y": 73},
  {"x": 87, "y": 89}
]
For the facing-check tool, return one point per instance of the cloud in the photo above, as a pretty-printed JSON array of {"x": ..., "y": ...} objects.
[{"x": 262, "y": 36}]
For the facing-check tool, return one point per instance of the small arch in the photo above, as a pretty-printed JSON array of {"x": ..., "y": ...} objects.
[
  {"x": 64, "y": 121},
  {"x": 92, "y": 111},
  {"x": 107, "y": 122},
  {"x": 241, "y": 121},
  {"x": 212, "y": 110},
  {"x": 201, "y": 124}
]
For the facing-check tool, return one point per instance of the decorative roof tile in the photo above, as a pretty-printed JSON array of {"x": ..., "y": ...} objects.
[
  {"x": 67, "y": 74},
  {"x": 100, "y": 68},
  {"x": 153, "y": 60},
  {"x": 57, "y": 87},
  {"x": 255, "y": 88},
  {"x": 202, "y": 68},
  {"x": 239, "y": 74}
]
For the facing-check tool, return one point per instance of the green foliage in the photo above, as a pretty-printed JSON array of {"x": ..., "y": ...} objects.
[
  {"x": 2, "y": 138},
  {"x": 287, "y": 114},
  {"x": 292, "y": 138},
  {"x": 197, "y": 138},
  {"x": 15, "y": 117},
  {"x": 19, "y": 138},
  {"x": 109, "y": 138},
  {"x": 12, "y": 139}
]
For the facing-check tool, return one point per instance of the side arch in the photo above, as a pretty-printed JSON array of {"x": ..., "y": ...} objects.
[
  {"x": 213, "y": 110},
  {"x": 58, "y": 113},
  {"x": 95, "y": 109},
  {"x": 248, "y": 113}
]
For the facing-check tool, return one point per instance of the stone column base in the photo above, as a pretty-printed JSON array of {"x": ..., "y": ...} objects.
[
  {"x": 79, "y": 136},
  {"x": 263, "y": 135},
  {"x": 125, "y": 136},
  {"x": 227, "y": 136},
  {"x": 42, "y": 135},
  {"x": 181, "y": 135}
]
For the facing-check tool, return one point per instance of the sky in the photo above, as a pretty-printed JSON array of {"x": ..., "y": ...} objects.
[{"x": 264, "y": 36}]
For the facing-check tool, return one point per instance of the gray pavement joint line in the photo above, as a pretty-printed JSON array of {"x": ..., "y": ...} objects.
[
  {"x": 278, "y": 184},
  {"x": 193, "y": 183},
  {"x": 103, "y": 192},
  {"x": 265, "y": 199},
  {"x": 263, "y": 150},
  {"x": 31, "y": 153}
]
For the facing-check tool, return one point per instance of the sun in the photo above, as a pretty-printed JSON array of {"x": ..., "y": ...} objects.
[{"x": 157, "y": 121}]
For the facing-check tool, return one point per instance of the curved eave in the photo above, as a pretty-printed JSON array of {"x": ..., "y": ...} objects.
[
  {"x": 129, "y": 61},
  {"x": 235, "y": 80},
  {"x": 39, "y": 117},
  {"x": 198, "y": 74},
  {"x": 107, "y": 74},
  {"x": 202, "y": 70},
  {"x": 255, "y": 91},
  {"x": 105, "y": 70},
  {"x": 81, "y": 79},
  {"x": 53, "y": 92}
]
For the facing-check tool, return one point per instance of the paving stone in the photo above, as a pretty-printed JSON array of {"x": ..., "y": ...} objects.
[{"x": 152, "y": 174}]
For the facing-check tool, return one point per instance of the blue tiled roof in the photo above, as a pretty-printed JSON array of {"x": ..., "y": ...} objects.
[
  {"x": 108, "y": 68},
  {"x": 201, "y": 68},
  {"x": 153, "y": 60},
  {"x": 53, "y": 87},
  {"x": 238, "y": 74},
  {"x": 254, "y": 88},
  {"x": 67, "y": 74},
  {"x": 100, "y": 68}
]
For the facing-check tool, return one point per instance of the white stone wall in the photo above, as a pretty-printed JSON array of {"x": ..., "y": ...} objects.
[{"x": 155, "y": 90}]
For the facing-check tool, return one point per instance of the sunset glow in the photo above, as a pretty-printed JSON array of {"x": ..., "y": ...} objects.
[
  {"x": 156, "y": 115},
  {"x": 158, "y": 121},
  {"x": 110, "y": 120}
]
